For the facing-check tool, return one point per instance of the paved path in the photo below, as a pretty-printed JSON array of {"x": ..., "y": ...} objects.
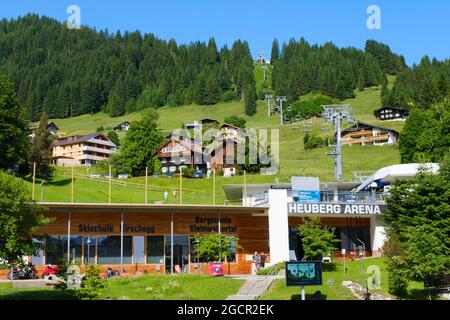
[
  {"x": 30, "y": 283},
  {"x": 254, "y": 286}
]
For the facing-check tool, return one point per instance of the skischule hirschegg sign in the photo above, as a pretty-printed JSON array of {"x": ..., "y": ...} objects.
[{"x": 335, "y": 208}]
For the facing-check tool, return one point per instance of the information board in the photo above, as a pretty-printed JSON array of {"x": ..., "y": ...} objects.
[{"x": 304, "y": 273}]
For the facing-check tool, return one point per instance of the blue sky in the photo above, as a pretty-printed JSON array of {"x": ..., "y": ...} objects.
[{"x": 412, "y": 28}]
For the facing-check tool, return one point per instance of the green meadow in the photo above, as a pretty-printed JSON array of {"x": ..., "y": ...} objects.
[
  {"x": 147, "y": 287},
  {"x": 332, "y": 277}
]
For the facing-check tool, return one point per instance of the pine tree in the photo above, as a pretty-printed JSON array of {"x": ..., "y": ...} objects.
[{"x": 41, "y": 148}]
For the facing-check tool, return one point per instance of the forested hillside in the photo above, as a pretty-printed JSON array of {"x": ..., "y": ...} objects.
[
  {"x": 67, "y": 72},
  {"x": 423, "y": 85},
  {"x": 71, "y": 72},
  {"x": 301, "y": 68}
]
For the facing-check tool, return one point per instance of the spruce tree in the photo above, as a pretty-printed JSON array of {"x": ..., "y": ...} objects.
[
  {"x": 41, "y": 148},
  {"x": 250, "y": 100},
  {"x": 275, "y": 54},
  {"x": 116, "y": 105}
]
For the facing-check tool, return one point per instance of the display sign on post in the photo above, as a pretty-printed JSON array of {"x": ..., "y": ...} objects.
[{"x": 304, "y": 273}]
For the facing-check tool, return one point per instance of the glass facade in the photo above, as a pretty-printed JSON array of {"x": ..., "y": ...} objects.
[
  {"x": 90, "y": 244},
  {"x": 108, "y": 250},
  {"x": 76, "y": 248},
  {"x": 180, "y": 253},
  {"x": 231, "y": 256},
  {"x": 349, "y": 238},
  {"x": 55, "y": 249},
  {"x": 139, "y": 249},
  {"x": 155, "y": 249},
  {"x": 39, "y": 258}
]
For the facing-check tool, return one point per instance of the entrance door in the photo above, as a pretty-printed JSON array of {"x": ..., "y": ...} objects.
[
  {"x": 295, "y": 243},
  {"x": 180, "y": 254}
]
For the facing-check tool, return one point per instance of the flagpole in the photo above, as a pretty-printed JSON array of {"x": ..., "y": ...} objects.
[
  {"x": 71, "y": 187},
  {"x": 34, "y": 180},
  {"x": 146, "y": 174},
  {"x": 110, "y": 181},
  {"x": 214, "y": 186}
]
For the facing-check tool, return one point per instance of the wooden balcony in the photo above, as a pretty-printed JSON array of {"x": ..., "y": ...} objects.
[{"x": 384, "y": 138}]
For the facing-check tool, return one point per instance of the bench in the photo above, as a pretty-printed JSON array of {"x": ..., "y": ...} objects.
[{"x": 438, "y": 283}]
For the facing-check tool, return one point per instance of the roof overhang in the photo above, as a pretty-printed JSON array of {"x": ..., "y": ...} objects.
[{"x": 153, "y": 208}]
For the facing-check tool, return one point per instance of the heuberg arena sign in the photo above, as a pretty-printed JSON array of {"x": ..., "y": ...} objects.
[{"x": 335, "y": 208}]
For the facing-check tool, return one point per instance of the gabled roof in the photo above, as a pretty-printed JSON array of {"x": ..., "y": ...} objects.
[
  {"x": 53, "y": 124},
  {"x": 190, "y": 146},
  {"x": 34, "y": 126},
  {"x": 215, "y": 145},
  {"x": 393, "y": 108},
  {"x": 125, "y": 122},
  {"x": 78, "y": 139},
  {"x": 208, "y": 120},
  {"x": 228, "y": 125},
  {"x": 361, "y": 125}
]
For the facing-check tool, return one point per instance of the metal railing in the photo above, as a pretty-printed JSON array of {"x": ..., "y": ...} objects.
[
  {"x": 258, "y": 199},
  {"x": 267, "y": 281}
]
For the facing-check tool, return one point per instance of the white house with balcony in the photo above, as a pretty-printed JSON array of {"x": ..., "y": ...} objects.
[{"x": 82, "y": 150}]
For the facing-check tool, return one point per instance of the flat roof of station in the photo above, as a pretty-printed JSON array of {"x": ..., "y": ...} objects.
[{"x": 235, "y": 191}]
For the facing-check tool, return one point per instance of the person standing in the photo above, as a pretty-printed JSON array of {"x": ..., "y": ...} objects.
[
  {"x": 166, "y": 194},
  {"x": 256, "y": 261},
  {"x": 262, "y": 260}
]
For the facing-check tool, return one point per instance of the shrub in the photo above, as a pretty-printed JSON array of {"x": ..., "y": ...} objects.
[
  {"x": 92, "y": 283},
  {"x": 228, "y": 96},
  {"x": 277, "y": 267},
  {"x": 188, "y": 172},
  {"x": 397, "y": 284},
  {"x": 313, "y": 141},
  {"x": 309, "y": 107},
  {"x": 236, "y": 121}
]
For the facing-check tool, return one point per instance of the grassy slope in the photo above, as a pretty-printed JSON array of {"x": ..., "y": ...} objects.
[
  {"x": 332, "y": 280},
  {"x": 294, "y": 160},
  {"x": 186, "y": 287}
]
